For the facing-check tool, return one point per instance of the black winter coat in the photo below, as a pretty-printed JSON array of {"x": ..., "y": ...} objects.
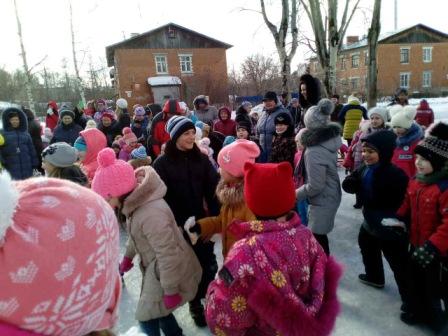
[
  {"x": 190, "y": 179},
  {"x": 18, "y": 154},
  {"x": 111, "y": 131},
  {"x": 66, "y": 133},
  {"x": 389, "y": 184}
]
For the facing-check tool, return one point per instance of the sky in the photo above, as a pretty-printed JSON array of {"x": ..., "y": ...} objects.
[{"x": 99, "y": 23}]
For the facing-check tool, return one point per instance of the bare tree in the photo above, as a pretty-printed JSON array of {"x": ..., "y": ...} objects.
[
  {"x": 25, "y": 63},
  {"x": 260, "y": 73},
  {"x": 288, "y": 24},
  {"x": 372, "y": 70},
  {"x": 328, "y": 35},
  {"x": 79, "y": 83}
]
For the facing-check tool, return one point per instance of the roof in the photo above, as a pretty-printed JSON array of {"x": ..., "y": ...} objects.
[
  {"x": 120, "y": 45},
  {"x": 389, "y": 35},
  {"x": 164, "y": 81}
]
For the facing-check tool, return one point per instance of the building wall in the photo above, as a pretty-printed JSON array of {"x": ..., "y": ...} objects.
[
  {"x": 389, "y": 69},
  {"x": 134, "y": 66}
]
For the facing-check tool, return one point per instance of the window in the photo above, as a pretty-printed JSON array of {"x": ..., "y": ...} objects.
[
  {"x": 355, "y": 61},
  {"x": 366, "y": 58},
  {"x": 427, "y": 54},
  {"x": 186, "y": 63},
  {"x": 427, "y": 76},
  {"x": 404, "y": 55},
  {"x": 354, "y": 83},
  {"x": 161, "y": 64},
  {"x": 405, "y": 78},
  {"x": 343, "y": 63}
]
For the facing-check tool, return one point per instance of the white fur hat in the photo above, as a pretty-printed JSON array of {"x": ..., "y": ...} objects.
[
  {"x": 402, "y": 116},
  {"x": 380, "y": 111}
]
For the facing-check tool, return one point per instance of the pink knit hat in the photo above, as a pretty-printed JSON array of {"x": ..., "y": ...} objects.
[
  {"x": 113, "y": 177},
  {"x": 129, "y": 136},
  {"x": 233, "y": 157},
  {"x": 59, "y": 250}
]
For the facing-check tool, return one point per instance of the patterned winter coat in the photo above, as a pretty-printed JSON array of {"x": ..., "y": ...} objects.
[
  {"x": 168, "y": 263},
  {"x": 233, "y": 208},
  {"x": 427, "y": 205},
  {"x": 283, "y": 149},
  {"x": 18, "y": 153},
  {"x": 404, "y": 156},
  {"x": 276, "y": 280}
]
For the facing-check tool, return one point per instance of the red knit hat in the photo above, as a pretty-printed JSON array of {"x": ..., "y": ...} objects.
[{"x": 269, "y": 188}]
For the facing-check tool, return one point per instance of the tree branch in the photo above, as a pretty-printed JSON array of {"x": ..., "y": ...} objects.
[
  {"x": 37, "y": 64},
  {"x": 343, "y": 29},
  {"x": 270, "y": 25}
]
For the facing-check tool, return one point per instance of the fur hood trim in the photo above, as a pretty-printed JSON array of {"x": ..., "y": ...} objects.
[
  {"x": 150, "y": 188},
  {"x": 9, "y": 196},
  {"x": 230, "y": 195},
  {"x": 313, "y": 137}
]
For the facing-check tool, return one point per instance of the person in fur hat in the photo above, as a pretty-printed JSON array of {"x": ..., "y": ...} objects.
[
  {"x": 67, "y": 130},
  {"x": 321, "y": 140},
  {"x": 382, "y": 187},
  {"x": 58, "y": 161},
  {"x": 426, "y": 204},
  {"x": 171, "y": 271},
  {"x": 409, "y": 133},
  {"x": 59, "y": 261},
  {"x": 203, "y": 111},
  {"x": 284, "y": 145},
  {"x": 276, "y": 279},
  {"x": 231, "y": 160},
  {"x": 129, "y": 143}
]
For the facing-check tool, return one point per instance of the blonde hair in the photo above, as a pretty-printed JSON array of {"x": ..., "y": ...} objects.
[{"x": 137, "y": 163}]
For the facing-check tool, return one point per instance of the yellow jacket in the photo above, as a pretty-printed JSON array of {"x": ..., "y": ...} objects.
[{"x": 233, "y": 208}]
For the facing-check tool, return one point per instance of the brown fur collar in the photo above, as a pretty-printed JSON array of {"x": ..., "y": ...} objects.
[{"x": 230, "y": 195}]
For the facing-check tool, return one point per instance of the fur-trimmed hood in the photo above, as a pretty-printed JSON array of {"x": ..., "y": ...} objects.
[
  {"x": 230, "y": 195},
  {"x": 150, "y": 187},
  {"x": 314, "y": 137}
]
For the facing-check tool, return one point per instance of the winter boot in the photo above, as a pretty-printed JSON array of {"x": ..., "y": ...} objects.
[
  {"x": 363, "y": 278},
  {"x": 197, "y": 314}
]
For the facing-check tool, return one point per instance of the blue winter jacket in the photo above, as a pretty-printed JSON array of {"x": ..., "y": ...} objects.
[
  {"x": 66, "y": 133},
  {"x": 18, "y": 153}
]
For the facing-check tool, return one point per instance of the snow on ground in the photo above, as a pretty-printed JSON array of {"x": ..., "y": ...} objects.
[{"x": 365, "y": 311}]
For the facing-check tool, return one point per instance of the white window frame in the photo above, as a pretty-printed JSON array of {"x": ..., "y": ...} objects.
[
  {"x": 427, "y": 80},
  {"x": 351, "y": 60},
  {"x": 424, "y": 49},
  {"x": 409, "y": 55},
  {"x": 408, "y": 75},
  {"x": 182, "y": 62},
  {"x": 158, "y": 61},
  {"x": 366, "y": 58}
]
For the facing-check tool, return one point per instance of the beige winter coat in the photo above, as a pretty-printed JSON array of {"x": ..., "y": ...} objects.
[{"x": 168, "y": 263}]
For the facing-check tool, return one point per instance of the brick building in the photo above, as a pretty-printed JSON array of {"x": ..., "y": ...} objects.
[
  {"x": 169, "y": 61},
  {"x": 414, "y": 58}
]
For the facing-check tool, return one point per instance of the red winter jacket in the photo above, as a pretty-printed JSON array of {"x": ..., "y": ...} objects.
[
  {"x": 404, "y": 156},
  {"x": 425, "y": 115},
  {"x": 51, "y": 121},
  {"x": 427, "y": 204},
  {"x": 226, "y": 127},
  {"x": 160, "y": 136}
]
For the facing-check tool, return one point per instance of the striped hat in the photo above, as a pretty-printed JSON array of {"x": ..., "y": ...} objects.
[
  {"x": 177, "y": 125},
  {"x": 139, "y": 153}
]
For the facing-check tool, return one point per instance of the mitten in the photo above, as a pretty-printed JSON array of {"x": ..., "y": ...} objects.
[
  {"x": 189, "y": 224},
  {"x": 171, "y": 301},
  {"x": 425, "y": 255},
  {"x": 125, "y": 265}
]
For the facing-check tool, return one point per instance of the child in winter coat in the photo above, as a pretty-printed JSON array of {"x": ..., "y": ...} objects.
[
  {"x": 46, "y": 137},
  {"x": 88, "y": 145},
  {"x": 129, "y": 143},
  {"x": 426, "y": 205},
  {"x": 408, "y": 134},
  {"x": 140, "y": 158},
  {"x": 299, "y": 179},
  {"x": 276, "y": 279},
  {"x": 231, "y": 160},
  {"x": 171, "y": 271},
  {"x": 55, "y": 238},
  {"x": 425, "y": 114},
  {"x": 284, "y": 146},
  {"x": 382, "y": 187},
  {"x": 204, "y": 146},
  {"x": 58, "y": 161}
]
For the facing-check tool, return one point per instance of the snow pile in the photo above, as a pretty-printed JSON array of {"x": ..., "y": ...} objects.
[{"x": 134, "y": 331}]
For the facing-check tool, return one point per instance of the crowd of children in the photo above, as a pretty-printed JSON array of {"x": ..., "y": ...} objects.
[{"x": 257, "y": 183}]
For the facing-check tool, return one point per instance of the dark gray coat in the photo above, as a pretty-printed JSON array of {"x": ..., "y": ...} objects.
[{"x": 322, "y": 187}]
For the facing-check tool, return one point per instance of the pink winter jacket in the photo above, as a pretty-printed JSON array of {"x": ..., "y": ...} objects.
[
  {"x": 276, "y": 280},
  {"x": 95, "y": 141}
]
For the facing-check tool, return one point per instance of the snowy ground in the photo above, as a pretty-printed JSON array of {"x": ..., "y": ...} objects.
[{"x": 365, "y": 311}]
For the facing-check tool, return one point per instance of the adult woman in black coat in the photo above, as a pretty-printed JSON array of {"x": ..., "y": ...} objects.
[
  {"x": 309, "y": 95},
  {"x": 34, "y": 129},
  {"x": 190, "y": 179}
]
